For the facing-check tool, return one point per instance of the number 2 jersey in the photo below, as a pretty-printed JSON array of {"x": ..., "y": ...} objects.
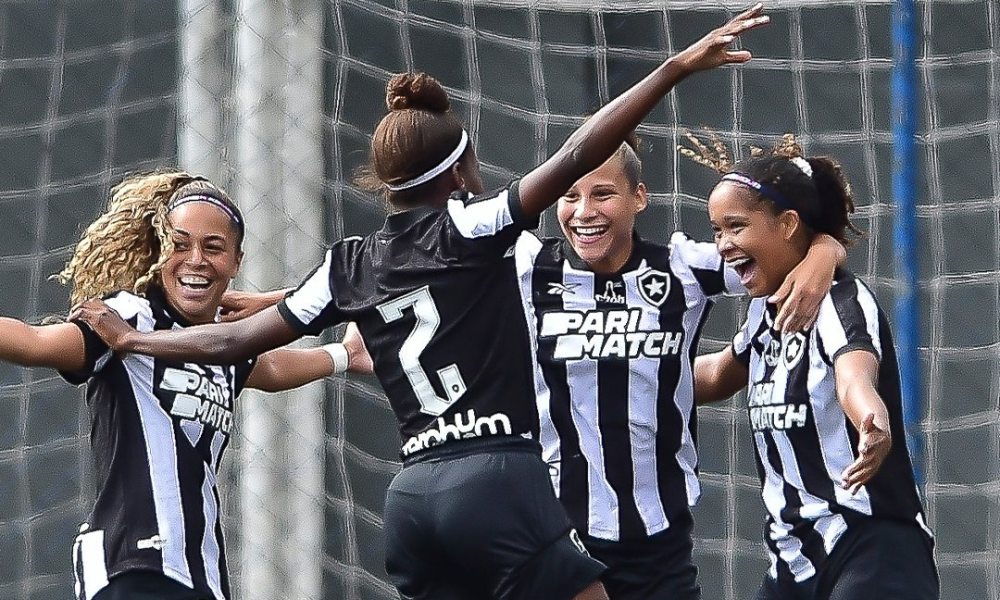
[
  {"x": 158, "y": 431},
  {"x": 804, "y": 439},
  {"x": 435, "y": 297}
]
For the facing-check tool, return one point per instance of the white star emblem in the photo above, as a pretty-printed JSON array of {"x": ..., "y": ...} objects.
[{"x": 654, "y": 287}]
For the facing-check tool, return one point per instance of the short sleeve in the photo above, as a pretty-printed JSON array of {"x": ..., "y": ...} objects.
[
  {"x": 849, "y": 320},
  {"x": 712, "y": 273},
  {"x": 96, "y": 353},
  {"x": 743, "y": 340},
  {"x": 311, "y": 307},
  {"x": 492, "y": 221}
]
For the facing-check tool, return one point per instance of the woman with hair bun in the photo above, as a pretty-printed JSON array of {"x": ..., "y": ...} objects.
[
  {"x": 162, "y": 255},
  {"x": 844, "y": 518},
  {"x": 472, "y": 514}
]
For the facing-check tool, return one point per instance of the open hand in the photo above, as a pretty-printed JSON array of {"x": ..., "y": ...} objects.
[
  {"x": 873, "y": 446},
  {"x": 105, "y": 322},
  {"x": 713, "y": 50}
]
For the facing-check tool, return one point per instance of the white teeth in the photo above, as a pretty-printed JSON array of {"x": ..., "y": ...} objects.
[
  {"x": 590, "y": 230},
  {"x": 194, "y": 280},
  {"x": 739, "y": 262}
]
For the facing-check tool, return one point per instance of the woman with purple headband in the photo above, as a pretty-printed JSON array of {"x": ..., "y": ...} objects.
[
  {"x": 162, "y": 255},
  {"x": 843, "y": 520}
]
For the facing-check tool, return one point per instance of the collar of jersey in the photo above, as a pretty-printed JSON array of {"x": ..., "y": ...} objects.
[
  {"x": 401, "y": 221},
  {"x": 158, "y": 302},
  {"x": 630, "y": 265}
]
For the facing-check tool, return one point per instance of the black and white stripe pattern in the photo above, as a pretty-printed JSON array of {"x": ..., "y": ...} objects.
[
  {"x": 159, "y": 430},
  {"x": 804, "y": 439},
  {"x": 614, "y": 381}
]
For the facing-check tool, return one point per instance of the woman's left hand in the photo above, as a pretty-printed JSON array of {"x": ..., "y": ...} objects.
[{"x": 873, "y": 446}]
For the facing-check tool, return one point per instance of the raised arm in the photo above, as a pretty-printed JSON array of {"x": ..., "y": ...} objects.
[
  {"x": 856, "y": 375},
  {"x": 803, "y": 290},
  {"x": 216, "y": 343},
  {"x": 718, "y": 376},
  {"x": 58, "y": 346},
  {"x": 597, "y": 139}
]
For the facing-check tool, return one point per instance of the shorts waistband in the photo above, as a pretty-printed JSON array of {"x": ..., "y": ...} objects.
[{"x": 480, "y": 445}]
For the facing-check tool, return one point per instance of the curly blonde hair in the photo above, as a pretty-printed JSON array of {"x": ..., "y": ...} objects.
[{"x": 126, "y": 247}]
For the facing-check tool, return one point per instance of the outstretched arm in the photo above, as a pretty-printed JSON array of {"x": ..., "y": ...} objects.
[
  {"x": 718, "y": 376},
  {"x": 597, "y": 139},
  {"x": 58, "y": 346},
  {"x": 216, "y": 343},
  {"x": 803, "y": 290},
  {"x": 288, "y": 368},
  {"x": 856, "y": 375}
]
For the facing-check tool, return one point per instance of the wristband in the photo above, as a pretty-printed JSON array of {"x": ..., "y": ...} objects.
[{"x": 338, "y": 353}]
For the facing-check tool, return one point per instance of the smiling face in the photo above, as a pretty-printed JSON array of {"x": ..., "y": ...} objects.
[
  {"x": 597, "y": 215},
  {"x": 760, "y": 245},
  {"x": 205, "y": 259}
]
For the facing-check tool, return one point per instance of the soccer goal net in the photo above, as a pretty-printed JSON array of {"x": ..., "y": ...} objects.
[{"x": 276, "y": 99}]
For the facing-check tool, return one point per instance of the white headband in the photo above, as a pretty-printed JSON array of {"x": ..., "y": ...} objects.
[
  {"x": 441, "y": 168},
  {"x": 803, "y": 165}
]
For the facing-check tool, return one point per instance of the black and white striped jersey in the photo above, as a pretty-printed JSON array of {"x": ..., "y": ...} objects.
[
  {"x": 435, "y": 298},
  {"x": 804, "y": 439},
  {"x": 614, "y": 379},
  {"x": 158, "y": 432}
]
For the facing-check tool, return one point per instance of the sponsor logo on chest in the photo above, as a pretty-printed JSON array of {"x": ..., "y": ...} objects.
[
  {"x": 200, "y": 394},
  {"x": 607, "y": 333},
  {"x": 768, "y": 405}
]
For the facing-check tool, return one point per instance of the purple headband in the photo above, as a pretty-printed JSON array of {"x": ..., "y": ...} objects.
[
  {"x": 209, "y": 200},
  {"x": 767, "y": 191}
]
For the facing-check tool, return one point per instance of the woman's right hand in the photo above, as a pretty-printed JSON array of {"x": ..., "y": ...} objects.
[
  {"x": 106, "y": 323},
  {"x": 713, "y": 50}
]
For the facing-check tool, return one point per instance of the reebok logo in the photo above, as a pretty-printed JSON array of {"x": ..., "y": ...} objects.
[{"x": 558, "y": 289}]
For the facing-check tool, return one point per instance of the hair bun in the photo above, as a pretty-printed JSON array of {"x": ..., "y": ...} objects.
[{"x": 416, "y": 91}]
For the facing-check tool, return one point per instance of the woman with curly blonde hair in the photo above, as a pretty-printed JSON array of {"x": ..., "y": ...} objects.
[{"x": 162, "y": 255}]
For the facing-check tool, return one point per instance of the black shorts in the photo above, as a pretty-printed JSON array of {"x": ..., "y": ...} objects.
[
  {"x": 660, "y": 566},
  {"x": 147, "y": 585},
  {"x": 480, "y": 520},
  {"x": 876, "y": 558}
]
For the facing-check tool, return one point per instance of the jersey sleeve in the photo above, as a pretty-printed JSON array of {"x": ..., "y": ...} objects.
[
  {"x": 743, "y": 340},
  {"x": 491, "y": 221},
  {"x": 849, "y": 320},
  {"x": 712, "y": 273},
  {"x": 96, "y": 353},
  {"x": 311, "y": 307}
]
